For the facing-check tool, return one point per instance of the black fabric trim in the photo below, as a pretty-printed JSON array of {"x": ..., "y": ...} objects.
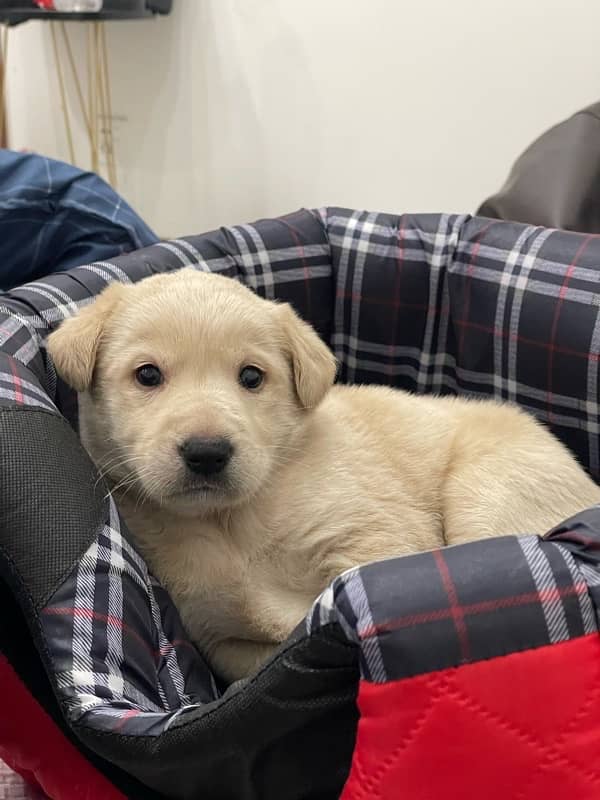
[
  {"x": 286, "y": 734},
  {"x": 44, "y": 472}
]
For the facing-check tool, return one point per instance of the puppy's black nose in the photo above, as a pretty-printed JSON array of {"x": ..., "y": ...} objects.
[{"x": 206, "y": 456}]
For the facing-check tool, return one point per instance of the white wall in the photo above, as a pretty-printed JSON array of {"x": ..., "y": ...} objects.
[{"x": 237, "y": 109}]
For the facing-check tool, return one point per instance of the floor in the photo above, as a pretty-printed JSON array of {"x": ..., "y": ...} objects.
[{"x": 12, "y": 787}]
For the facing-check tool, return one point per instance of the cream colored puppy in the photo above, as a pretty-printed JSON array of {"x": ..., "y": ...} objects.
[{"x": 250, "y": 482}]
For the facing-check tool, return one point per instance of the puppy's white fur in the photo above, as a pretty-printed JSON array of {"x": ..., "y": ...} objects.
[{"x": 322, "y": 478}]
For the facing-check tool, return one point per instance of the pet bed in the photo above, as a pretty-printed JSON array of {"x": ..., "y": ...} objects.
[{"x": 466, "y": 672}]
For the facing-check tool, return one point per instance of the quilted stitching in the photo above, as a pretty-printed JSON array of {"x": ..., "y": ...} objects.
[
  {"x": 468, "y": 713},
  {"x": 371, "y": 782}
]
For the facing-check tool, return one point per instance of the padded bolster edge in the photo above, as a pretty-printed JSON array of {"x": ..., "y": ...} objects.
[
  {"x": 51, "y": 502},
  {"x": 287, "y": 733}
]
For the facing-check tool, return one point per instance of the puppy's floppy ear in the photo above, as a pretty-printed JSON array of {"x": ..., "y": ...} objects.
[
  {"x": 73, "y": 346},
  {"x": 313, "y": 363}
]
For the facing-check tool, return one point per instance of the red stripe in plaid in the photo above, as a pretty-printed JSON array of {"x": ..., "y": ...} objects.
[
  {"x": 456, "y": 611},
  {"x": 561, "y": 296},
  {"x": 297, "y": 240},
  {"x": 109, "y": 619},
  {"x": 573, "y": 536},
  {"x": 357, "y": 297},
  {"x": 515, "y": 337},
  {"x": 469, "y": 280},
  {"x": 484, "y": 607},
  {"x": 396, "y": 300},
  {"x": 16, "y": 382},
  {"x": 132, "y": 712}
]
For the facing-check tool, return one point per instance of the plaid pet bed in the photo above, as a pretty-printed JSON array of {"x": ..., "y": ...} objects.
[{"x": 432, "y": 303}]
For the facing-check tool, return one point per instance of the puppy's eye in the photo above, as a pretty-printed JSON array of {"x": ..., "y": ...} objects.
[
  {"x": 148, "y": 375},
  {"x": 251, "y": 377}
]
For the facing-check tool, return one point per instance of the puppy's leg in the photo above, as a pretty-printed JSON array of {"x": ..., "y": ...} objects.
[{"x": 387, "y": 536}]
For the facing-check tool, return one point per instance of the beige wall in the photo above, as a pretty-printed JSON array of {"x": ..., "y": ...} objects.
[{"x": 236, "y": 109}]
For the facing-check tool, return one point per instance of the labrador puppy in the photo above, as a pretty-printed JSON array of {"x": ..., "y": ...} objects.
[{"x": 249, "y": 481}]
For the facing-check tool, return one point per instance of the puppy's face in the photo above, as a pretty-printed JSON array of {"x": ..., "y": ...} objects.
[{"x": 192, "y": 386}]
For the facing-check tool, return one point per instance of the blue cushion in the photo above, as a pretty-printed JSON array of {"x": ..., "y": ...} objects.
[{"x": 54, "y": 216}]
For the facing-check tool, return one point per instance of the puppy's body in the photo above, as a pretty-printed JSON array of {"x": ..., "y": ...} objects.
[
  {"x": 321, "y": 479},
  {"x": 376, "y": 473}
]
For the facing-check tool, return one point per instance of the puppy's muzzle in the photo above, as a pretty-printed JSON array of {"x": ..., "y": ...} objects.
[{"x": 206, "y": 457}]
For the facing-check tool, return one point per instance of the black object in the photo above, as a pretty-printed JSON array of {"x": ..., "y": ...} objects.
[
  {"x": 555, "y": 182},
  {"x": 16, "y": 13}
]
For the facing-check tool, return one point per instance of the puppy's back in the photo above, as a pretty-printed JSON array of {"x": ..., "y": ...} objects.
[{"x": 498, "y": 470}]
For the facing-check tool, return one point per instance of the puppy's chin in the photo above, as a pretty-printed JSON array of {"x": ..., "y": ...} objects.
[{"x": 200, "y": 500}]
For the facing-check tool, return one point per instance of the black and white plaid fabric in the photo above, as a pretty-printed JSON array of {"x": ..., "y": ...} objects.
[
  {"x": 452, "y": 304},
  {"x": 20, "y": 386},
  {"x": 112, "y": 657},
  {"x": 431, "y": 303}
]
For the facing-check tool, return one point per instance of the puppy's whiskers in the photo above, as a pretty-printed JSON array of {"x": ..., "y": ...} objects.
[
  {"x": 133, "y": 478},
  {"x": 106, "y": 471}
]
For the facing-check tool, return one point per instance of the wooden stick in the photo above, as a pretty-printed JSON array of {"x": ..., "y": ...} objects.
[
  {"x": 107, "y": 89},
  {"x": 3, "y": 63},
  {"x": 75, "y": 75},
  {"x": 61, "y": 84},
  {"x": 102, "y": 139},
  {"x": 94, "y": 117}
]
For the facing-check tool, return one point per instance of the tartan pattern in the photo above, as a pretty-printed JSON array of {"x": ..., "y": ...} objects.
[
  {"x": 113, "y": 660},
  {"x": 457, "y": 305},
  {"x": 581, "y": 537},
  {"x": 297, "y": 255},
  {"x": 121, "y": 658},
  {"x": 434, "y": 303},
  {"x": 444, "y": 608},
  {"x": 19, "y": 386}
]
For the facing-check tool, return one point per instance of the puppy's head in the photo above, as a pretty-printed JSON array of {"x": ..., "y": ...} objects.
[{"x": 192, "y": 387}]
